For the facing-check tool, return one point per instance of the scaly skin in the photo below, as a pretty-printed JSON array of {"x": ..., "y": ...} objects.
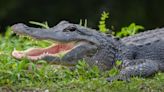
[{"x": 141, "y": 54}]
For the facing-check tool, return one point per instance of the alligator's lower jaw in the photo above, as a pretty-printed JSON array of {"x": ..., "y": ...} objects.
[{"x": 39, "y": 53}]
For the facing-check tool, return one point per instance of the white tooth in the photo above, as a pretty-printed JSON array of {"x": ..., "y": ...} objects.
[
  {"x": 47, "y": 53},
  {"x": 36, "y": 58},
  {"x": 14, "y": 49},
  {"x": 30, "y": 58},
  {"x": 39, "y": 57},
  {"x": 33, "y": 58},
  {"x": 43, "y": 55}
]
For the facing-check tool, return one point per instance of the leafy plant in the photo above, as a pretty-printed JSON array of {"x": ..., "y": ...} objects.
[
  {"x": 114, "y": 71},
  {"x": 43, "y": 25},
  {"x": 102, "y": 22},
  {"x": 85, "y": 23},
  {"x": 130, "y": 30}
]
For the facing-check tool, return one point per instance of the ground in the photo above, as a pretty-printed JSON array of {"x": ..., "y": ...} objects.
[{"x": 27, "y": 76}]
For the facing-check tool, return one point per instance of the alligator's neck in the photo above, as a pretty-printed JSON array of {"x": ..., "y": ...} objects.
[
  {"x": 119, "y": 48},
  {"x": 112, "y": 50}
]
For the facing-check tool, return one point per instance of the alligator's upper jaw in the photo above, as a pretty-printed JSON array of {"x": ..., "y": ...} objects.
[{"x": 39, "y": 53}]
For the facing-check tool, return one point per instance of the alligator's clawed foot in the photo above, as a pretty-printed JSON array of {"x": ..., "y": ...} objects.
[{"x": 119, "y": 78}]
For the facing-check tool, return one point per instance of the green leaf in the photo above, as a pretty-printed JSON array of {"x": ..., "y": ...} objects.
[
  {"x": 44, "y": 25},
  {"x": 118, "y": 63},
  {"x": 102, "y": 22},
  {"x": 130, "y": 30}
]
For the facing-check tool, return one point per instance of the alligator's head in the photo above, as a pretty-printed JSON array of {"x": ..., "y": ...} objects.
[{"x": 75, "y": 41}]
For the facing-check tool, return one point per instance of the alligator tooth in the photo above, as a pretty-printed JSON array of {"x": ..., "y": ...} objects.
[
  {"x": 35, "y": 58},
  {"x": 39, "y": 57},
  {"x": 30, "y": 57},
  {"x": 44, "y": 53},
  {"x": 42, "y": 56},
  {"x": 15, "y": 50},
  {"x": 47, "y": 53}
]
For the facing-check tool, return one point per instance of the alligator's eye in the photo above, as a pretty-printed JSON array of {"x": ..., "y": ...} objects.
[{"x": 70, "y": 29}]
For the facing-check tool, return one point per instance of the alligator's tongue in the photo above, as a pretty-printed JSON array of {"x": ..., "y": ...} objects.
[
  {"x": 37, "y": 53},
  {"x": 50, "y": 50}
]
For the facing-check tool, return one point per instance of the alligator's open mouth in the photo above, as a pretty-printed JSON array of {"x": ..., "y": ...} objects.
[
  {"x": 67, "y": 38},
  {"x": 53, "y": 50}
]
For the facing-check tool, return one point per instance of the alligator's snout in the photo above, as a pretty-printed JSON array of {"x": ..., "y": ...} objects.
[{"x": 18, "y": 27}]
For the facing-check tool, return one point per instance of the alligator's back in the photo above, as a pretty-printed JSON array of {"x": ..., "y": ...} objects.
[
  {"x": 143, "y": 55},
  {"x": 146, "y": 45},
  {"x": 145, "y": 37}
]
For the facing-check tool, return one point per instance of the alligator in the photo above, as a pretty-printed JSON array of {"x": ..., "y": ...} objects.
[{"x": 141, "y": 54}]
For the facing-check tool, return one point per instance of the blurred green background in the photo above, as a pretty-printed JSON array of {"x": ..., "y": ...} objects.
[{"x": 148, "y": 13}]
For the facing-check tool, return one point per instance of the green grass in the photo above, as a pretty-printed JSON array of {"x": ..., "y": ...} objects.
[{"x": 19, "y": 75}]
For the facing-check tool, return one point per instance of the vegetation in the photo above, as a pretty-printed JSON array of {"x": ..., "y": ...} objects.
[
  {"x": 125, "y": 31},
  {"x": 25, "y": 75},
  {"x": 130, "y": 30},
  {"x": 102, "y": 22}
]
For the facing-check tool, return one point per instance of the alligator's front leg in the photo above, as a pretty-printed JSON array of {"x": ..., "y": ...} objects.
[
  {"x": 140, "y": 67},
  {"x": 73, "y": 56}
]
